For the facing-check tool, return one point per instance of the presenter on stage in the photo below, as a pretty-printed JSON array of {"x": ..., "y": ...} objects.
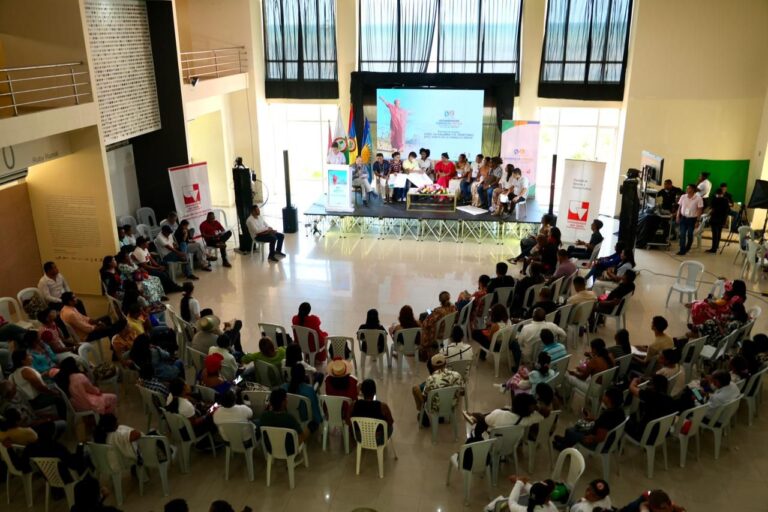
[
  {"x": 336, "y": 157},
  {"x": 398, "y": 121},
  {"x": 444, "y": 170},
  {"x": 360, "y": 178},
  {"x": 381, "y": 169}
]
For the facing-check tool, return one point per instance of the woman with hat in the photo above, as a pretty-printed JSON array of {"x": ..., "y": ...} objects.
[{"x": 340, "y": 381}]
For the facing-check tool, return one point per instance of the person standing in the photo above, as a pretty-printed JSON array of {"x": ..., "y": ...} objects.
[
  {"x": 381, "y": 170},
  {"x": 721, "y": 209},
  {"x": 360, "y": 179},
  {"x": 262, "y": 232},
  {"x": 704, "y": 187},
  {"x": 691, "y": 206}
]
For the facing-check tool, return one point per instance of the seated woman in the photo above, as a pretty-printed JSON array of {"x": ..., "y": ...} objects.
[
  {"x": 606, "y": 303},
  {"x": 30, "y": 385},
  {"x": 499, "y": 318},
  {"x": 590, "y": 431},
  {"x": 83, "y": 395},
  {"x": 137, "y": 320},
  {"x": 612, "y": 276},
  {"x": 19, "y": 414},
  {"x": 340, "y": 381},
  {"x": 268, "y": 353},
  {"x": 430, "y": 338},
  {"x": 122, "y": 343},
  {"x": 165, "y": 367},
  {"x": 539, "y": 496},
  {"x": 305, "y": 319},
  {"x": 372, "y": 323},
  {"x": 134, "y": 294},
  {"x": 405, "y": 320},
  {"x": 527, "y": 244},
  {"x": 51, "y": 335},
  {"x": 190, "y": 307},
  {"x": 151, "y": 286},
  {"x": 180, "y": 401},
  {"x": 715, "y": 308},
  {"x": 525, "y": 381},
  {"x": 43, "y": 358},
  {"x": 595, "y": 497},
  {"x": 210, "y": 376},
  {"x": 622, "y": 346},
  {"x": 122, "y": 437},
  {"x": 597, "y": 360},
  {"x": 294, "y": 356},
  {"x": 110, "y": 277},
  {"x": 523, "y": 413},
  {"x": 298, "y": 386},
  {"x": 715, "y": 329}
]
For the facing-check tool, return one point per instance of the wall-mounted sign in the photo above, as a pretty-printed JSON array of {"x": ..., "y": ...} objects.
[{"x": 20, "y": 156}]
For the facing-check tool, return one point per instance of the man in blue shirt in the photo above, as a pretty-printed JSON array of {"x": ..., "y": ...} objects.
[{"x": 381, "y": 177}]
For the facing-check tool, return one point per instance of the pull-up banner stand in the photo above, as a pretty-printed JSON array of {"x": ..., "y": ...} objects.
[
  {"x": 580, "y": 198},
  {"x": 191, "y": 193}
]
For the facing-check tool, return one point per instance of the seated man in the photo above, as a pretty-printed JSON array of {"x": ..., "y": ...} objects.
[
  {"x": 581, "y": 293},
  {"x": 606, "y": 305},
  {"x": 230, "y": 411},
  {"x": 441, "y": 377},
  {"x": 369, "y": 407},
  {"x": 520, "y": 186},
  {"x": 170, "y": 253},
  {"x": 532, "y": 333},
  {"x": 544, "y": 301},
  {"x": 229, "y": 363},
  {"x": 723, "y": 392},
  {"x": 654, "y": 404},
  {"x": 360, "y": 179},
  {"x": 502, "y": 280},
  {"x": 602, "y": 264},
  {"x": 215, "y": 235},
  {"x": 550, "y": 345},
  {"x": 85, "y": 328},
  {"x": 262, "y": 232},
  {"x": 277, "y": 415},
  {"x": 143, "y": 258},
  {"x": 53, "y": 285},
  {"x": 661, "y": 341},
  {"x": 207, "y": 334},
  {"x": 583, "y": 250},
  {"x": 565, "y": 267},
  {"x": 610, "y": 417}
]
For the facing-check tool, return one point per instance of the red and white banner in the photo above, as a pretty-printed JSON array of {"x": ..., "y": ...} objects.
[
  {"x": 191, "y": 193},
  {"x": 581, "y": 191}
]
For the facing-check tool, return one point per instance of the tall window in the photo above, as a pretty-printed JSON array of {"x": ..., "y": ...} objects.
[
  {"x": 585, "y": 49},
  {"x": 300, "y": 48},
  {"x": 452, "y": 36}
]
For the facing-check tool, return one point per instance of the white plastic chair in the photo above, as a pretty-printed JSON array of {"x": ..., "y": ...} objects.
[
  {"x": 607, "y": 448},
  {"x": 272, "y": 331},
  {"x": 144, "y": 230},
  {"x": 257, "y": 401},
  {"x": 12, "y": 470},
  {"x": 578, "y": 321},
  {"x": 508, "y": 441},
  {"x": 745, "y": 233},
  {"x": 529, "y": 299},
  {"x": 480, "y": 464},
  {"x": 333, "y": 414},
  {"x": 755, "y": 312},
  {"x": 565, "y": 288},
  {"x": 303, "y": 336},
  {"x": 444, "y": 327},
  {"x": 207, "y": 394},
  {"x": 197, "y": 358},
  {"x": 592, "y": 257},
  {"x": 300, "y": 408},
  {"x": 74, "y": 416},
  {"x": 339, "y": 345},
  {"x": 481, "y": 321},
  {"x": 619, "y": 312},
  {"x": 752, "y": 390},
  {"x": 544, "y": 437},
  {"x": 446, "y": 403},
  {"x": 576, "y": 466},
  {"x": 146, "y": 215},
  {"x": 462, "y": 320},
  {"x": 753, "y": 261},
  {"x": 371, "y": 337},
  {"x": 687, "y": 282},
  {"x": 719, "y": 422},
  {"x": 661, "y": 426},
  {"x": 109, "y": 463},
  {"x": 26, "y": 294},
  {"x": 267, "y": 374},
  {"x": 274, "y": 443},
  {"x": 503, "y": 295},
  {"x": 150, "y": 401},
  {"x": 183, "y": 436},
  {"x": 556, "y": 287},
  {"x": 623, "y": 364},
  {"x": 12, "y": 311},
  {"x": 150, "y": 455},
  {"x": 724, "y": 345},
  {"x": 129, "y": 220},
  {"x": 694, "y": 415},
  {"x": 91, "y": 356},
  {"x": 690, "y": 355},
  {"x": 240, "y": 437},
  {"x": 406, "y": 344},
  {"x": 501, "y": 339},
  {"x": 49, "y": 467},
  {"x": 598, "y": 383},
  {"x": 260, "y": 247},
  {"x": 561, "y": 367},
  {"x": 364, "y": 430}
]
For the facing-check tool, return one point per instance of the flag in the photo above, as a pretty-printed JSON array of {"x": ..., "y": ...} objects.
[
  {"x": 330, "y": 137},
  {"x": 339, "y": 134},
  {"x": 351, "y": 151},
  {"x": 365, "y": 151}
]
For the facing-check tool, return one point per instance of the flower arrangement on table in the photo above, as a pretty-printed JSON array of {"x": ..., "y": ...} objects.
[{"x": 433, "y": 189}]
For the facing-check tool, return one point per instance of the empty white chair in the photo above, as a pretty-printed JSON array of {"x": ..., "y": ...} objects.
[
  {"x": 91, "y": 356},
  {"x": 333, "y": 414},
  {"x": 623, "y": 363},
  {"x": 368, "y": 340},
  {"x": 257, "y": 401},
  {"x": 687, "y": 427},
  {"x": 276, "y": 445},
  {"x": 607, "y": 448},
  {"x": 371, "y": 434},
  {"x": 11, "y": 310},
  {"x": 308, "y": 338},
  {"x": 444, "y": 327},
  {"x": 752, "y": 390},
  {"x": 687, "y": 281},
  {"x": 745, "y": 234},
  {"x": 151, "y": 402},
  {"x": 719, "y": 422},
  {"x": 49, "y": 467},
  {"x": 12, "y": 470},
  {"x": 690, "y": 355},
  {"x": 462, "y": 320},
  {"x": 275, "y": 332},
  {"x": 146, "y": 215},
  {"x": 544, "y": 437},
  {"x": 300, "y": 408},
  {"x": 446, "y": 408},
  {"x": 109, "y": 463},
  {"x": 508, "y": 440},
  {"x": 155, "y": 454},
  {"x": 183, "y": 436},
  {"x": 127, "y": 220},
  {"x": 500, "y": 339},
  {"x": 339, "y": 346},
  {"x": 592, "y": 257},
  {"x": 654, "y": 435},
  {"x": 478, "y": 464},
  {"x": 576, "y": 466},
  {"x": 143, "y": 230},
  {"x": 619, "y": 312},
  {"x": 239, "y": 437},
  {"x": 74, "y": 416},
  {"x": 406, "y": 344}
]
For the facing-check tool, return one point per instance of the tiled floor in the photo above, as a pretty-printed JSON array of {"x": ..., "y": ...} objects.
[{"x": 342, "y": 278}]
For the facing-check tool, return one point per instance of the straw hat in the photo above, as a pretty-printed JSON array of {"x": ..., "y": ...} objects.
[
  {"x": 438, "y": 361},
  {"x": 339, "y": 368},
  {"x": 208, "y": 323}
]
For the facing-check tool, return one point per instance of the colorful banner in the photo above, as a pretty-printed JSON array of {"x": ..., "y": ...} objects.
[
  {"x": 581, "y": 191},
  {"x": 520, "y": 147},
  {"x": 191, "y": 193},
  {"x": 338, "y": 180}
]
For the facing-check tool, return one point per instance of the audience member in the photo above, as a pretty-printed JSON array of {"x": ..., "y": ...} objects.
[
  {"x": 622, "y": 346},
  {"x": 230, "y": 411},
  {"x": 565, "y": 267},
  {"x": 525, "y": 381},
  {"x": 441, "y": 377},
  {"x": 370, "y": 407},
  {"x": 43, "y": 358},
  {"x": 170, "y": 252},
  {"x": 180, "y": 401},
  {"x": 591, "y": 431},
  {"x": 85, "y": 328},
  {"x": 531, "y": 333},
  {"x": 268, "y": 353},
  {"x": 527, "y": 244},
  {"x": 260, "y": 231},
  {"x": 653, "y": 501},
  {"x": 581, "y": 293},
  {"x": 502, "y": 280},
  {"x": 53, "y": 285},
  {"x": 430, "y": 338},
  {"x": 339, "y": 381},
  {"x": 457, "y": 349},
  {"x": 405, "y": 320},
  {"x": 184, "y": 239},
  {"x": 111, "y": 281},
  {"x": 146, "y": 261},
  {"x": 215, "y": 235},
  {"x": 229, "y": 363},
  {"x": 499, "y": 319},
  {"x": 611, "y": 276},
  {"x": 71, "y": 465},
  {"x": 596, "y": 497},
  {"x": 535, "y": 277},
  {"x": 523, "y": 413},
  {"x": 655, "y": 403},
  {"x": 122, "y": 437},
  {"x": 277, "y": 415},
  {"x": 148, "y": 380},
  {"x": 211, "y": 376},
  {"x": 544, "y": 301},
  {"x": 90, "y": 496},
  {"x": 669, "y": 367},
  {"x": 83, "y": 395},
  {"x": 661, "y": 341},
  {"x": 305, "y": 319},
  {"x": 297, "y": 385},
  {"x": 144, "y": 353},
  {"x": 208, "y": 331},
  {"x": 723, "y": 391},
  {"x": 372, "y": 323},
  {"x": 539, "y": 495},
  {"x": 551, "y": 346},
  {"x": 596, "y": 360},
  {"x": 151, "y": 286},
  {"x": 190, "y": 307},
  {"x": 31, "y": 386}
]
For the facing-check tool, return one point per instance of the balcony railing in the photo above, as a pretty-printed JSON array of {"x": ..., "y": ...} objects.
[
  {"x": 31, "y": 88},
  {"x": 206, "y": 64}
]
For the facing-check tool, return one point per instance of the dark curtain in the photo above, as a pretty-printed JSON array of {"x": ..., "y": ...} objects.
[
  {"x": 585, "y": 49},
  {"x": 396, "y": 35},
  {"x": 300, "y": 48},
  {"x": 479, "y": 36}
]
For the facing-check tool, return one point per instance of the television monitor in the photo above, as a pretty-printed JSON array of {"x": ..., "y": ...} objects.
[{"x": 653, "y": 168}]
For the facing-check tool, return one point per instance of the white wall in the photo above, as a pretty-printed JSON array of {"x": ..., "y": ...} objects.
[{"x": 122, "y": 176}]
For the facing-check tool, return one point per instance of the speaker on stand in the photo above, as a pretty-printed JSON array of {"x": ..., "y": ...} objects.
[
  {"x": 290, "y": 214},
  {"x": 630, "y": 208},
  {"x": 241, "y": 177}
]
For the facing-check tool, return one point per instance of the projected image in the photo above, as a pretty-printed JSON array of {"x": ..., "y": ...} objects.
[{"x": 442, "y": 120}]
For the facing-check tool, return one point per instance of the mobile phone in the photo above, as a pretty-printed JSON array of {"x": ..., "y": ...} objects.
[
  {"x": 698, "y": 395},
  {"x": 429, "y": 311},
  {"x": 238, "y": 379},
  {"x": 213, "y": 408}
]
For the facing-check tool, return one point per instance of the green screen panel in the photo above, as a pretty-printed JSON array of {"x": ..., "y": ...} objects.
[{"x": 732, "y": 172}]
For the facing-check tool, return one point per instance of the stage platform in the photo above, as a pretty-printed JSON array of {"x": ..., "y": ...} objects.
[{"x": 380, "y": 220}]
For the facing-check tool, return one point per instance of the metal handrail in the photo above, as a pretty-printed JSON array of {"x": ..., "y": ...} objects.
[
  {"x": 29, "y": 90},
  {"x": 214, "y": 63}
]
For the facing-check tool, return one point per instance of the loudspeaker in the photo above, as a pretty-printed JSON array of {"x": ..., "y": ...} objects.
[
  {"x": 290, "y": 214},
  {"x": 241, "y": 176},
  {"x": 630, "y": 211}
]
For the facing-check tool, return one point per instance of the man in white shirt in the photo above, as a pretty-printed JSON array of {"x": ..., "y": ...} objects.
[
  {"x": 476, "y": 166},
  {"x": 230, "y": 411},
  {"x": 520, "y": 186},
  {"x": 691, "y": 206},
  {"x": 142, "y": 257},
  {"x": 457, "y": 350},
  {"x": 170, "y": 253},
  {"x": 53, "y": 285},
  {"x": 724, "y": 391},
  {"x": 704, "y": 187},
  {"x": 229, "y": 364},
  {"x": 336, "y": 157},
  {"x": 262, "y": 232},
  {"x": 531, "y": 333}
]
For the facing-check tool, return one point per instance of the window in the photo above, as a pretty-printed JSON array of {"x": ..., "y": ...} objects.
[
  {"x": 585, "y": 49},
  {"x": 300, "y": 49},
  {"x": 450, "y": 36},
  {"x": 584, "y": 134}
]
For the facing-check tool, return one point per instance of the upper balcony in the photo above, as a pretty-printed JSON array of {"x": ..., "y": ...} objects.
[{"x": 30, "y": 89}]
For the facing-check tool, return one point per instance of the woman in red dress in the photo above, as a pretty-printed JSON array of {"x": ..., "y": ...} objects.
[
  {"x": 304, "y": 319},
  {"x": 444, "y": 170}
]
